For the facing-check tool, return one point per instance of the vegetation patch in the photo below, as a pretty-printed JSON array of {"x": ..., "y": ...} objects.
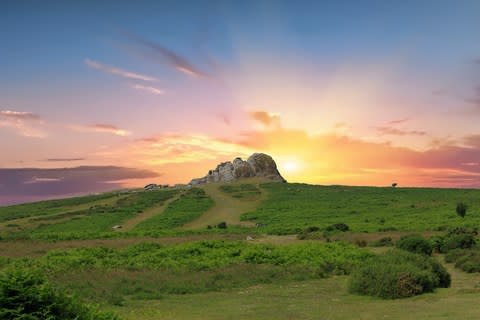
[
  {"x": 467, "y": 260},
  {"x": 398, "y": 274},
  {"x": 415, "y": 244},
  {"x": 49, "y": 207},
  {"x": 188, "y": 207},
  {"x": 291, "y": 207},
  {"x": 27, "y": 295},
  {"x": 245, "y": 191},
  {"x": 101, "y": 218}
]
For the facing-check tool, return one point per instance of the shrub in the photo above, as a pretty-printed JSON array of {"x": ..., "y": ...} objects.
[
  {"x": 461, "y": 209},
  {"x": 467, "y": 260},
  {"x": 415, "y": 244},
  {"x": 383, "y": 242},
  {"x": 398, "y": 274},
  {"x": 26, "y": 294},
  {"x": 222, "y": 225},
  {"x": 342, "y": 227},
  {"x": 456, "y": 238}
]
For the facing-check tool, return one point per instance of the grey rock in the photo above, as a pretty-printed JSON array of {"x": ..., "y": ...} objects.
[{"x": 257, "y": 165}]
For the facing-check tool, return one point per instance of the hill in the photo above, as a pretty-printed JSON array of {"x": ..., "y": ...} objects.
[{"x": 170, "y": 257}]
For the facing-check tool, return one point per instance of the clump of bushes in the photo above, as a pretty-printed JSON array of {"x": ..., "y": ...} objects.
[
  {"x": 398, "y": 274},
  {"x": 466, "y": 260},
  {"x": 415, "y": 244},
  {"x": 456, "y": 238},
  {"x": 383, "y": 242},
  {"x": 26, "y": 294}
]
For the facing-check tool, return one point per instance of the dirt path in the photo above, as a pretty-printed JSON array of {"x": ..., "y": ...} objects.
[
  {"x": 226, "y": 208},
  {"x": 147, "y": 214}
]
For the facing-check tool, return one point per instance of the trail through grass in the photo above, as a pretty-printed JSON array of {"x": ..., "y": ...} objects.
[
  {"x": 147, "y": 214},
  {"x": 227, "y": 208}
]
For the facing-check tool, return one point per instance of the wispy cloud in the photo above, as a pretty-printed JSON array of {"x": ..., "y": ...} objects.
[
  {"x": 266, "y": 118},
  {"x": 117, "y": 71},
  {"x": 19, "y": 115},
  {"x": 102, "y": 128},
  {"x": 165, "y": 55},
  {"x": 63, "y": 159},
  {"x": 398, "y": 121},
  {"x": 383, "y": 130},
  {"x": 23, "y": 123},
  {"x": 148, "y": 89}
]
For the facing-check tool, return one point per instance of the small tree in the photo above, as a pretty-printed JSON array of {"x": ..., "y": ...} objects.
[
  {"x": 394, "y": 185},
  {"x": 462, "y": 209}
]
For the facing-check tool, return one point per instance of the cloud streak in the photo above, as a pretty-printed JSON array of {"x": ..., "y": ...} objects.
[
  {"x": 63, "y": 159},
  {"x": 23, "y": 123},
  {"x": 117, "y": 71},
  {"x": 265, "y": 118},
  {"x": 165, "y": 55},
  {"x": 148, "y": 89},
  {"x": 383, "y": 130},
  {"x": 102, "y": 128}
]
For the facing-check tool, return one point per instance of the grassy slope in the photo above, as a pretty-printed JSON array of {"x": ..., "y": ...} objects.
[
  {"x": 291, "y": 207},
  {"x": 287, "y": 208},
  {"x": 229, "y": 206},
  {"x": 189, "y": 206}
]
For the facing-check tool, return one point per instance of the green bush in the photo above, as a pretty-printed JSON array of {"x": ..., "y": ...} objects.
[
  {"x": 456, "y": 238},
  {"x": 467, "y": 260},
  {"x": 461, "y": 209},
  {"x": 398, "y": 274},
  {"x": 342, "y": 227},
  {"x": 26, "y": 295},
  {"x": 222, "y": 225},
  {"x": 415, "y": 244}
]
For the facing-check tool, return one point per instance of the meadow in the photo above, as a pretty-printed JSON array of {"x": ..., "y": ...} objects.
[{"x": 286, "y": 251}]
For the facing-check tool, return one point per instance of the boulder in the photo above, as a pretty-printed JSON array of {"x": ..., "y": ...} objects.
[{"x": 257, "y": 165}]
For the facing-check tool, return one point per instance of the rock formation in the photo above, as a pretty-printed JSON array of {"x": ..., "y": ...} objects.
[{"x": 257, "y": 165}]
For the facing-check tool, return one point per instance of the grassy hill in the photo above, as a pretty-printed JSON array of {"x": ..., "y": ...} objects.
[{"x": 169, "y": 258}]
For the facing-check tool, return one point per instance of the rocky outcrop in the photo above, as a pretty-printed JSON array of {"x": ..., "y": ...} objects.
[{"x": 257, "y": 165}]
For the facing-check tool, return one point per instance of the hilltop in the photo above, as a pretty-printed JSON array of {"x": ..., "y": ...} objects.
[{"x": 258, "y": 165}]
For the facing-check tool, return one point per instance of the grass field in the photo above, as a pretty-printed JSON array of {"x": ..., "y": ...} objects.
[
  {"x": 164, "y": 263},
  {"x": 292, "y": 207}
]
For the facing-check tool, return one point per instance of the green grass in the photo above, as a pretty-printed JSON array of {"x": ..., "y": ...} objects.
[
  {"x": 102, "y": 218},
  {"x": 149, "y": 270},
  {"x": 49, "y": 207},
  {"x": 191, "y": 205},
  {"x": 241, "y": 191},
  {"x": 290, "y": 208},
  {"x": 270, "y": 277}
]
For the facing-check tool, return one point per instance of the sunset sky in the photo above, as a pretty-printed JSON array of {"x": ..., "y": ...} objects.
[{"x": 95, "y": 95}]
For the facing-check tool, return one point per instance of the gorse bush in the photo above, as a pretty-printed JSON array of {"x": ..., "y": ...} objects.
[
  {"x": 398, "y": 274},
  {"x": 456, "y": 238},
  {"x": 26, "y": 295},
  {"x": 461, "y": 209},
  {"x": 415, "y": 244},
  {"x": 342, "y": 227},
  {"x": 467, "y": 260}
]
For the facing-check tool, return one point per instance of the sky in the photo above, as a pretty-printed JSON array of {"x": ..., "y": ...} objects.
[{"x": 98, "y": 95}]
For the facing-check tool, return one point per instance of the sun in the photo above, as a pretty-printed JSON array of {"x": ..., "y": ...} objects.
[{"x": 290, "y": 166}]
